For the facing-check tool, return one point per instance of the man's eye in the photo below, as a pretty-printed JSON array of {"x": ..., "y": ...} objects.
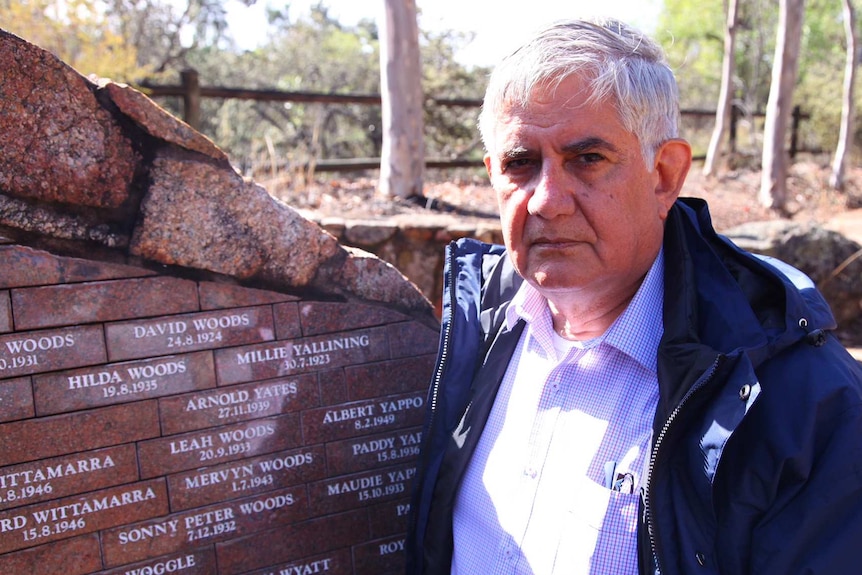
[
  {"x": 590, "y": 158},
  {"x": 517, "y": 164}
]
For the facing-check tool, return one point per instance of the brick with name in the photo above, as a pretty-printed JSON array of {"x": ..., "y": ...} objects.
[
  {"x": 176, "y": 453},
  {"x": 203, "y": 526},
  {"x": 67, "y": 475},
  {"x": 61, "y": 518},
  {"x": 246, "y": 477},
  {"x": 237, "y": 403},
  {"x": 294, "y": 541},
  {"x": 30, "y": 352},
  {"x": 363, "y": 417},
  {"x": 123, "y": 382},
  {"x": 170, "y": 334},
  {"x": 282, "y": 358},
  {"x": 373, "y": 451},
  {"x": 196, "y": 562}
]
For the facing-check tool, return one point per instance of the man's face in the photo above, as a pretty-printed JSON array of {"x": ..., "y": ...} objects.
[{"x": 581, "y": 212}]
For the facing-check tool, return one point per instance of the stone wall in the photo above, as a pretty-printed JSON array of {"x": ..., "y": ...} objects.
[{"x": 194, "y": 378}]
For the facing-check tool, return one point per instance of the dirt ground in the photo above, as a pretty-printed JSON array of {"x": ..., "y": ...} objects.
[{"x": 466, "y": 195}]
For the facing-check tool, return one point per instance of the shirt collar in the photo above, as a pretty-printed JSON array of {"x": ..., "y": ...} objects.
[{"x": 636, "y": 332}]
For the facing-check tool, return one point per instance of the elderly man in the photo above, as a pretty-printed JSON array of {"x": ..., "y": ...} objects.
[{"x": 620, "y": 390}]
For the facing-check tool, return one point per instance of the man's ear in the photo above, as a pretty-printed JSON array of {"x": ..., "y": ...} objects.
[
  {"x": 487, "y": 160},
  {"x": 672, "y": 162}
]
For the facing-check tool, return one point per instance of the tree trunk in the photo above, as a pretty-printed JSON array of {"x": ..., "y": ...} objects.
[
  {"x": 402, "y": 158},
  {"x": 725, "y": 95},
  {"x": 773, "y": 184},
  {"x": 845, "y": 137}
]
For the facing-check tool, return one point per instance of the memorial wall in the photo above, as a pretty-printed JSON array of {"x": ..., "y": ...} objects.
[
  {"x": 152, "y": 424},
  {"x": 193, "y": 378}
]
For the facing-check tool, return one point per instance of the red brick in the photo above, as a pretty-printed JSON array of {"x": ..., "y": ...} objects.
[
  {"x": 75, "y": 556},
  {"x": 287, "y": 324},
  {"x": 203, "y": 526},
  {"x": 223, "y": 295},
  {"x": 362, "y": 417},
  {"x": 68, "y": 475},
  {"x": 333, "y": 387},
  {"x": 237, "y": 403},
  {"x": 293, "y": 543},
  {"x": 360, "y": 489},
  {"x": 246, "y": 477},
  {"x": 122, "y": 382},
  {"x": 70, "y": 304},
  {"x": 189, "y": 332},
  {"x": 219, "y": 445},
  {"x": 410, "y": 339},
  {"x": 389, "y": 518},
  {"x": 24, "y": 267},
  {"x": 62, "y": 518},
  {"x": 282, "y": 358},
  {"x": 373, "y": 451},
  {"x": 328, "y": 317},
  {"x": 82, "y": 431},
  {"x": 5, "y": 312},
  {"x": 335, "y": 563},
  {"x": 381, "y": 557},
  {"x": 40, "y": 351},
  {"x": 389, "y": 377},
  {"x": 16, "y": 399},
  {"x": 196, "y": 562}
]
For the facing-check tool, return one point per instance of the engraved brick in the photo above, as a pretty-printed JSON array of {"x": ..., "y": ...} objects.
[
  {"x": 389, "y": 377},
  {"x": 74, "y": 556},
  {"x": 82, "y": 431},
  {"x": 62, "y": 518},
  {"x": 292, "y": 542},
  {"x": 237, "y": 403},
  {"x": 381, "y": 557},
  {"x": 24, "y": 266},
  {"x": 389, "y": 518},
  {"x": 16, "y": 399},
  {"x": 70, "y": 304},
  {"x": 362, "y": 417},
  {"x": 283, "y": 358},
  {"x": 5, "y": 312},
  {"x": 189, "y": 332},
  {"x": 191, "y": 529},
  {"x": 123, "y": 382},
  {"x": 372, "y": 451},
  {"x": 360, "y": 489},
  {"x": 40, "y": 351},
  {"x": 287, "y": 323},
  {"x": 219, "y": 445},
  {"x": 246, "y": 477},
  {"x": 196, "y": 562},
  {"x": 411, "y": 338},
  {"x": 68, "y": 475},
  {"x": 335, "y": 563},
  {"x": 327, "y": 317},
  {"x": 222, "y": 295}
]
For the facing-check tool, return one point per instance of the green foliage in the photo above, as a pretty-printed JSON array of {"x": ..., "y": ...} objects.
[
  {"x": 693, "y": 35},
  {"x": 77, "y": 32}
]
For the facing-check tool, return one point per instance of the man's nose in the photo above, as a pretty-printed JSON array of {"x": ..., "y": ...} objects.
[{"x": 553, "y": 194}]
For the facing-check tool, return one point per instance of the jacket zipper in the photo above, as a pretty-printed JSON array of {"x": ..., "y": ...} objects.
[
  {"x": 645, "y": 492},
  {"x": 444, "y": 347}
]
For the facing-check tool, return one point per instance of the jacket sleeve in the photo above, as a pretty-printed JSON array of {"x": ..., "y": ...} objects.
[{"x": 813, "y": 521}]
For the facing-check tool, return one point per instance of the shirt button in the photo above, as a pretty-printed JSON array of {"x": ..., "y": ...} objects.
[{"x": 531, "y": 472}]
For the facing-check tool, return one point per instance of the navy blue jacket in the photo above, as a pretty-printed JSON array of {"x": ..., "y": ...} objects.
[{"x": 756, "y": 462}]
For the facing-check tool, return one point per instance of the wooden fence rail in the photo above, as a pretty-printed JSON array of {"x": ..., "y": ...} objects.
[{"x": 192, "y": 93}]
